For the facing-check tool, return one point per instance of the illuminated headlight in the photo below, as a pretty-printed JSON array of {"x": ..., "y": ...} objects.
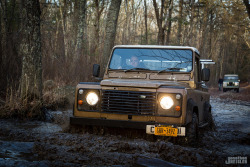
[
  {"x": 236, "y": 83},
  {"x": 92, "y": 98},
  {"x": 166, "y": 102}
]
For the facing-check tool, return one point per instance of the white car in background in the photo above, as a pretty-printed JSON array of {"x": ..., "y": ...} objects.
[{"x": 231, "y": 81}]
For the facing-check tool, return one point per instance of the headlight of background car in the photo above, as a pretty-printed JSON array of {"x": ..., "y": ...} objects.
[
  {"x": 169, "y": 104},
  {"x": 224, "y": 83},
  {"x": 88, "y": 100}
]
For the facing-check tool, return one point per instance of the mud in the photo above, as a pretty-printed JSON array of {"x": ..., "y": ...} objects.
[{"x": 35, "y": 143}]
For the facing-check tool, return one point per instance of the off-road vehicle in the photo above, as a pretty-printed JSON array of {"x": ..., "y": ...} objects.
[
  {"x": 164, "y": 95},
  {"x": 231, "y": 82}
]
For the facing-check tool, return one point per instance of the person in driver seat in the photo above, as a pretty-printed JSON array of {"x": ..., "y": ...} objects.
[{"x": 134, "y": 61}]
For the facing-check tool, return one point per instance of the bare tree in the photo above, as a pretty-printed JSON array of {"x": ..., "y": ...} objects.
[
  {"x": 99, "y": 7},
  {"x": 190, "y": 36},
  {"x": 170, "y": 11},
  {"x": 111, "y": 25},
  {"x": 30, "y": 48},
  {"x": 246, "y": 2},
  {"x": 1, "y": 52},
  {"x": 179, "y": 33},
  {"x": 159, "y": 19},
  {"x": 11, "y": 61},
  {"x": 81, "y": 36},
  {"x": 146, "y": 21}
]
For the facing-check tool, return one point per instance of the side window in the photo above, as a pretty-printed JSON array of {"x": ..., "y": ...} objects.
[{"x": 197, "y": 70}]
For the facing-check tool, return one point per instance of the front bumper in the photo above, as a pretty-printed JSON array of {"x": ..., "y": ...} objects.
[
  {"x": 230, "y": 87},
  {"x": 148, "y": 126}
]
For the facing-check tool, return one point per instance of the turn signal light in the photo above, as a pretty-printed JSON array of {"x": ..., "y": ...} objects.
[
  {"x": 177, "y": 108},
  {"x": 80, "y": 102}
]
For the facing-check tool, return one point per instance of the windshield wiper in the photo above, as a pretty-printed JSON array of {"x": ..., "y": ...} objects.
[
  {"x": 132, "y": 69},
  {"x": 170, "y": 69}
]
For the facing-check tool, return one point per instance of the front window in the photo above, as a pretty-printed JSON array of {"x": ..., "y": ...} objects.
[
  {"x": 161, "y": 60},
  {"x": 231, "y": 77}
]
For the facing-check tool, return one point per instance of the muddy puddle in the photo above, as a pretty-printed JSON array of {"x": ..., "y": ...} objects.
[{"x": 36, "y": 143}]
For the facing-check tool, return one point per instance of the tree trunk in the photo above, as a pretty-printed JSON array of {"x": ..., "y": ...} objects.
[
  {"x": 179, "y": 35},
  {"x": 63, "y": 49},
  {"x": 159, "y": 18},
  {"x": 204, "y": 31},
  {"x": 30, "y": 48},
  {"x": 146, "y": 22},
  {"x": 111, "y": 25},
  {"x": 170, "y": 10},
  {"x": 190, "y": 37},
  {"x": 1, "y": 53},
  {"x": 96, "y": 39},
  {"x": 210, "y": 34},
  {"x": 81, "y": 36},
  {"x": 246, "y": 2}
]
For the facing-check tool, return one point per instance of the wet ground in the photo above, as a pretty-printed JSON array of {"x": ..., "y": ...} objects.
[{"x": 36, "y": 143}]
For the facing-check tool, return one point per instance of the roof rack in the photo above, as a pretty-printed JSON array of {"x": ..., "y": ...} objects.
[{"x": 206, "y": 61}]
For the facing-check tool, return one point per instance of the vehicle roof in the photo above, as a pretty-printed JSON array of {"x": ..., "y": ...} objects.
[
  {"x": 231, "y": 75},
  {"x": 158, "y": 46}
]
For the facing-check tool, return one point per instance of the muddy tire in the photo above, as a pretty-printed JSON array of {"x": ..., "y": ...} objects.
[
  {"x": 210, "y": 120},
  {"x": 192, "y": 131}
]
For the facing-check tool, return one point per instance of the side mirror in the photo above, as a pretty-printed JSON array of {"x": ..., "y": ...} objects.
[
  {"x": 205, "y": 74},
  {"x": 96, "y": 70}
]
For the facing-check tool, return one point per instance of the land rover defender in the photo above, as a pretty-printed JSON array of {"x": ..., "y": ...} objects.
[
  {"x": 165, "y": 94},
  {"x": 231, "y": 82}
]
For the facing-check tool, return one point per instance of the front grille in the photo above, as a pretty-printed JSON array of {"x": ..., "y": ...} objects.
[
  {"x": 128, "y": 102},
  {"x": 230, "y": 84}
]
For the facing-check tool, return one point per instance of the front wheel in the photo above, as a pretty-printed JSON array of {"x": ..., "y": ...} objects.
[
  {"x": 192, "y": 130},
  {"x": 211, "y": 124}
]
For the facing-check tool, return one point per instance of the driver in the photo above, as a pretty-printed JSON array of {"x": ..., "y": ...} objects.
[{"x": 134, "y": 61}]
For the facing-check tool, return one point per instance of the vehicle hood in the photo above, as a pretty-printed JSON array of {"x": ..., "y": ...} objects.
[{"x": 142, "y": 83}]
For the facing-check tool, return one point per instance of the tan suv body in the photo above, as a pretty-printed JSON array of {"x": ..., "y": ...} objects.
[{"x": 165, "y": 96}]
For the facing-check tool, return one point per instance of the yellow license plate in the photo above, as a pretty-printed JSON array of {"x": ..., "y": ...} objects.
[{"x": 166, "y": 131}]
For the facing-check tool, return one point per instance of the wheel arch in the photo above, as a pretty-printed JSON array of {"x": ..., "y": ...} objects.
[{"x": 191, "y": 108}]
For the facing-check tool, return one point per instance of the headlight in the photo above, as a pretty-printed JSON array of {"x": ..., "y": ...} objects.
[
  {"x": 236, "y": 83},
  {"x": 224, "y": 83},
  {"x": 166, "y": 102},
  {"x": 92, "y": 98}
]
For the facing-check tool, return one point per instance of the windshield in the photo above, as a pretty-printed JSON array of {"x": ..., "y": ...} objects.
[
  {"x": 161, "y": 60},
  {"x": 231, "y": 77}
]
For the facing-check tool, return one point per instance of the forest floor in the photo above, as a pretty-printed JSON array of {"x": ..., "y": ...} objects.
[{"x": 49, "y": 143}]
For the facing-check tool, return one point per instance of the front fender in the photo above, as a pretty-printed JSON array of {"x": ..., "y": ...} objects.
[
  {"x": 207, "y": 109},
  {"x": 190, "y": 108}
]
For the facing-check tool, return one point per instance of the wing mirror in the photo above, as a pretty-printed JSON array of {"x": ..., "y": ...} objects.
[
  {"x": 205, "y": 74},
  {"x": 96, "y": 70}
]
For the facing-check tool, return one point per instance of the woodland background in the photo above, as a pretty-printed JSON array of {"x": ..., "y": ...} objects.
[{"x": 60, "y": 40}]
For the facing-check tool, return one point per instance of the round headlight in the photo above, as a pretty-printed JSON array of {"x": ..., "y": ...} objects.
[
  {"x": 80, "y": 91},
  {"x": 166, "y": 102},
  {"x": 92, "y": 98}
]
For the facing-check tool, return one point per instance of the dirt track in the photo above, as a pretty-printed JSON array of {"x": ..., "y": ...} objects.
[{"x": 37, "y": 143}]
